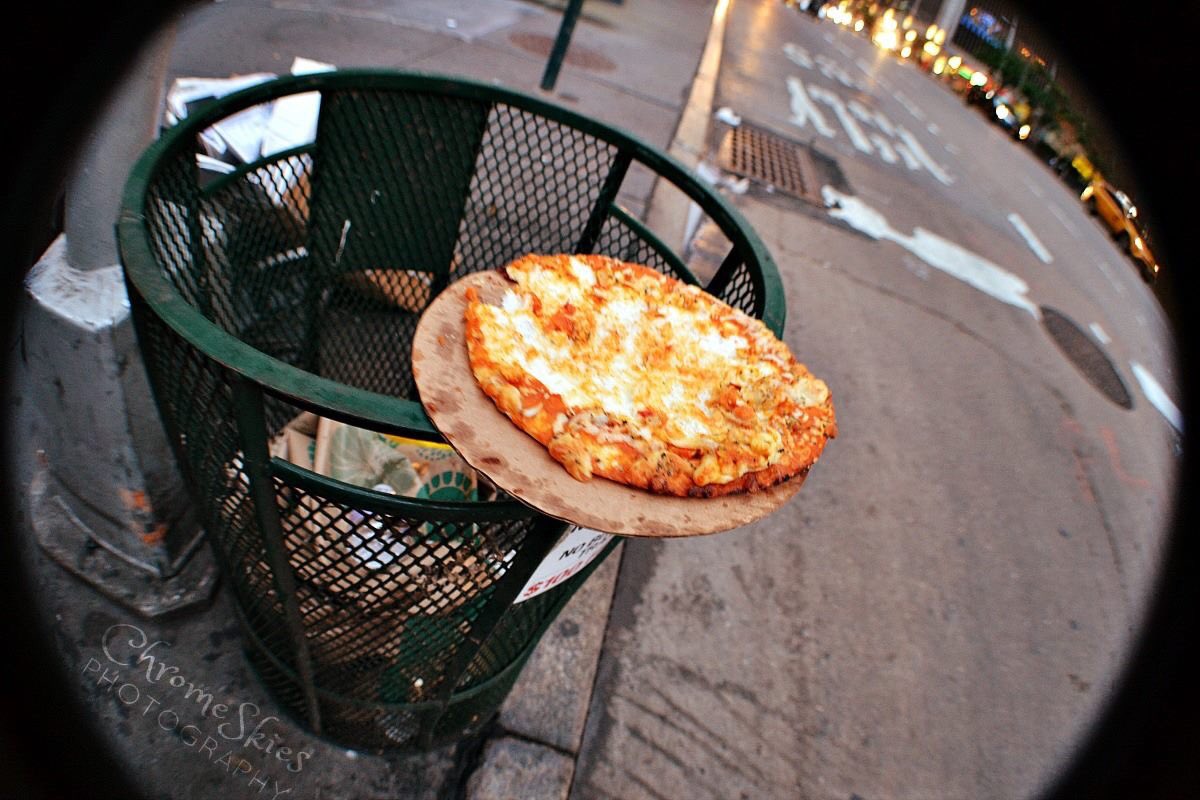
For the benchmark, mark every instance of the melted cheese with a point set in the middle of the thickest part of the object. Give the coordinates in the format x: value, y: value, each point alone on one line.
x: 584, y: 274
x: 720, y: 346
x: 533, y: 350
x: 650, y: 346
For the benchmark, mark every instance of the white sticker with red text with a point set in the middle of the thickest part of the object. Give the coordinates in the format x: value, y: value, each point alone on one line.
x: 574, y: 551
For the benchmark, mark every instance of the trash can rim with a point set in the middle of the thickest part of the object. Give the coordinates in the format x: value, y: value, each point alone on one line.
x: 382, y: 412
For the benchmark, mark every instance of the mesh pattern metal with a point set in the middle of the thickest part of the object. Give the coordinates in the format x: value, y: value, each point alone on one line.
x: 389, y: 596
x: 378, y: 628
x: 620, y: 241
x: 387, y: 199
x: 197, y: 407
x: 172, y: 224
x: 280, y: 681
x: 376, y: 728
x: 468, y: 718
x: 253, y: 244
x: 743, y: 292
x: 510, y: 638
x: 534, y: 186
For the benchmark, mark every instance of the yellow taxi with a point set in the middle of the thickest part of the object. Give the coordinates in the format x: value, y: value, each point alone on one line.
x: 1119, y: 215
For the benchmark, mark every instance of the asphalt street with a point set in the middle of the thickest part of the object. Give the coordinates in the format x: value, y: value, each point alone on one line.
x: 943, y: 608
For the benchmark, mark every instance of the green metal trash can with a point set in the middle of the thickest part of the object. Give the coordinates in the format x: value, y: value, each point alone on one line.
x: 294, y: 284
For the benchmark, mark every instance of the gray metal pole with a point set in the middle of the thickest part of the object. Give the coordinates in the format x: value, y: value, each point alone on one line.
x: 106, y: 501
x: 561, y: 43
x: 126, y: 126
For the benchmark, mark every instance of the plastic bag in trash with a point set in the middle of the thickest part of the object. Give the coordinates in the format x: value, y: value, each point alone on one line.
x: 408, y: 467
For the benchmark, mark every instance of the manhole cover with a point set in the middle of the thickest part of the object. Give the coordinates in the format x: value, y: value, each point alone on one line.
x: 1087, y: 356
x: 790, y: 167
x: 577, y: 55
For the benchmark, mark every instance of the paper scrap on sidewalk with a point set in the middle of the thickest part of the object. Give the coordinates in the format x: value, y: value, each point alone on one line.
x: 293, y: 119
x: 713, y: 176
x: 188, y: 91
x: 728, y: 116
x: 214, y: 164
x: 258, y: 131
x: 235, y: 138
x: 243, y: 132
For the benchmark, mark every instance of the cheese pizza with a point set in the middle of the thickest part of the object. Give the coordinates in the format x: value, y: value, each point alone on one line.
x: 625, y: 373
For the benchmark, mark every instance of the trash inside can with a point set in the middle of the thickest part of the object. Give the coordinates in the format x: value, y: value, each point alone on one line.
x: 381, y: 585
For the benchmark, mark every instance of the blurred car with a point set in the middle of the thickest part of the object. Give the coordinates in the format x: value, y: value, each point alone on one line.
x: 1120, y: 216
x: 811, y: 7
x: 1013, y: 114
x: 976, y: 95
x: 1004, y: 107
x: 928, y: 47
x: 912, y: 40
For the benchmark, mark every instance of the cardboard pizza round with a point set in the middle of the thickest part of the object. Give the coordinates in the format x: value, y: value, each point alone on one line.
x: 520, y: 465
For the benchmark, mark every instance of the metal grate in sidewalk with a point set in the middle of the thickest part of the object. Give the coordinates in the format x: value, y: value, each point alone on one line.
x: 766, y: 158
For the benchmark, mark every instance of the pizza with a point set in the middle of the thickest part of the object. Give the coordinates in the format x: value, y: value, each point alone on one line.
x: 627, y: 374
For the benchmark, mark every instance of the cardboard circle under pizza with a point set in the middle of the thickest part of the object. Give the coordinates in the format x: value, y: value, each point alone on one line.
x: 520, y: 465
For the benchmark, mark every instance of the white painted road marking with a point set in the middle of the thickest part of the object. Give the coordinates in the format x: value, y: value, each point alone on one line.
x: 1100, y: 334
x: 841, y: 48
x: 943, y: 254
x: 804, y: 111
x: 1109, y: 275
x: 1157, y: 396
x: 798, y: 55
x: 934, y: 168
x: 1027, y: 234
x: 885, y: 148
x: 976, y: 271
x: 910, y: 160
x: 860, y: 111
x: 856, y: 119
x: 885, y: 124
x: 857, y: 137
x: 834, y: 72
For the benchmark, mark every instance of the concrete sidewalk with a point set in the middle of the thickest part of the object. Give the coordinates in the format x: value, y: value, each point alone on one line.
x: 637, y: 66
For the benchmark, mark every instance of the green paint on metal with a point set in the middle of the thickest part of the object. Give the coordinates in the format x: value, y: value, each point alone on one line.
x: 294, y: 284
x: 561, y: 42
x: 604, y: 202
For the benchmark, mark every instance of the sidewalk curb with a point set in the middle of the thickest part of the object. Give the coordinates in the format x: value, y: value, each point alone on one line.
x: 546, y: 712
x: 668, y: 209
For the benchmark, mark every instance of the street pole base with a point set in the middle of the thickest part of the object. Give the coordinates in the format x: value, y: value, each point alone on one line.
x: 68, y: 541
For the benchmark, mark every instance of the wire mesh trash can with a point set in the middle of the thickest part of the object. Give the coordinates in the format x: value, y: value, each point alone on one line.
x: 292, y: 285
